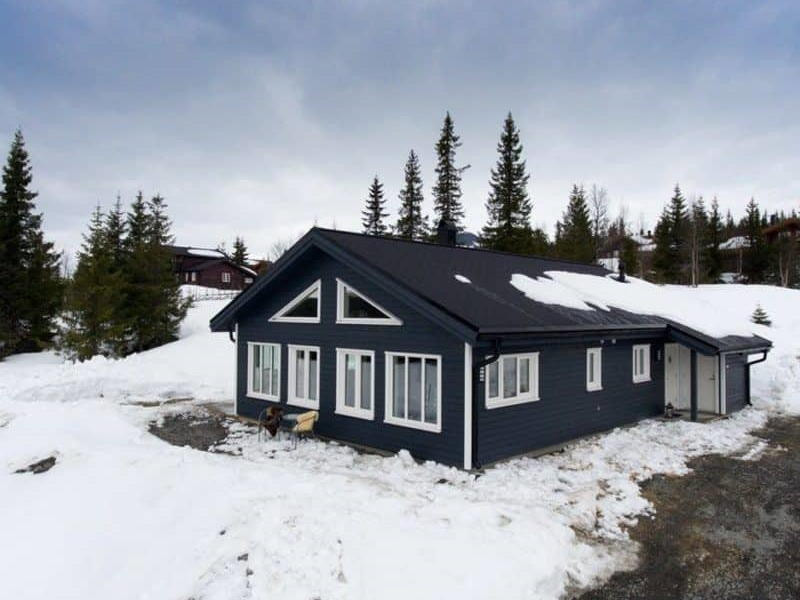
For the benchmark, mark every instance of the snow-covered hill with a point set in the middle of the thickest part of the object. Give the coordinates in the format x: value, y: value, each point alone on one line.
x: 123, y: 514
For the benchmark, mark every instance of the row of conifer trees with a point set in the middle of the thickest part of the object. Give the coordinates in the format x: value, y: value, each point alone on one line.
x: 687, y: 238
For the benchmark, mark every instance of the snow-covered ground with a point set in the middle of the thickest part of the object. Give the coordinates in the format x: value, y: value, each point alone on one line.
x: 123, y: 514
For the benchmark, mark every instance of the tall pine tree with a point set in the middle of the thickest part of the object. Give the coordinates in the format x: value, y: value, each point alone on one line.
x: 31, y: 289
x: 575, y: 237
x: 92, y: 300
x: 715, y: 232
x: 670, y: 255
x: 411, y: 225
x: 447, y: 191
x: 698, y: 237
x: 374, y: 214
x: 240, y: 253
x: 756, y: 257
x: 509, y: 207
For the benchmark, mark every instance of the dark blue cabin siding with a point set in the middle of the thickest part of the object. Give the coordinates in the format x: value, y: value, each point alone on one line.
x: 565, y: 409
x: 416, y: 335
x: 735, y: 382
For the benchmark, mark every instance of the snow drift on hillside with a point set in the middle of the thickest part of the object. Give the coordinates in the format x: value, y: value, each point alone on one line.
x: 124, y: 515
x: 678, y: 303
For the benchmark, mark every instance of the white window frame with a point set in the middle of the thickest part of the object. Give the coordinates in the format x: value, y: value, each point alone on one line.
x: 341, y: 286
x: 597, y: 384
x: 280, y: 316
x: 291, y: 396
x: 533, y: 385
x: 226, y: 277
x: 641, y: 375
x: 251, y: 393
x: 341, y: 366
x: 389, y: 392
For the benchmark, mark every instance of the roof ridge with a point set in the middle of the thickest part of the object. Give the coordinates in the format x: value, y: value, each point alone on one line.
x: 487, y: 250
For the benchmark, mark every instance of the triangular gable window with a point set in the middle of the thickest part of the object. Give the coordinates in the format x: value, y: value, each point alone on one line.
x: 354, y: 308
x: 305, y: 308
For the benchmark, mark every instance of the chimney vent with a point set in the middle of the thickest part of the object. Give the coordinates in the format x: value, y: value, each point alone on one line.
x: 446, y: 233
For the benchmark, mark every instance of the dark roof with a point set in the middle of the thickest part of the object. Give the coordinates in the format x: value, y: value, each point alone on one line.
x: 489, y: 305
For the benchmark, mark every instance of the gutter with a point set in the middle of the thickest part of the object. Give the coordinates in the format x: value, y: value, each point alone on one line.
x: 476, y: 367
x: 747, y: 373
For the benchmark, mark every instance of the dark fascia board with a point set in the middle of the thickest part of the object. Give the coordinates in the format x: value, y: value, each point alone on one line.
x: 686, y: 338
x: 223, y: 320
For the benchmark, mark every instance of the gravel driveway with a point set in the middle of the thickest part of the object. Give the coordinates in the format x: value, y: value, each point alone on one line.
x: 730, y: 529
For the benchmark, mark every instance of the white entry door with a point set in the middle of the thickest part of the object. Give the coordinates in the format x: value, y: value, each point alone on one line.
x: 677, y: 376
x: 707, y: 383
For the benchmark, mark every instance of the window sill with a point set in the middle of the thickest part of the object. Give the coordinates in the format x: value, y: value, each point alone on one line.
x: 366, y: 415
x: 598, y: 388
x: 259, y: 396
x: 421, y: 425
x: 642, y: 380
x: 315, y: 320
x: 502, y: 403
x: 303, y: 403
x: 343, y: 321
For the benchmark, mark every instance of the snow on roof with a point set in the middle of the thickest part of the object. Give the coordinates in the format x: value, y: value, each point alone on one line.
x: 673, y: 302
x: 206, y: 252
x: 462, y: 279
x: 735, y: 243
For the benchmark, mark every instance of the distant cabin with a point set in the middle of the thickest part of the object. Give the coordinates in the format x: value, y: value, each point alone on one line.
x: 430, y: 348
x: 209, y: 268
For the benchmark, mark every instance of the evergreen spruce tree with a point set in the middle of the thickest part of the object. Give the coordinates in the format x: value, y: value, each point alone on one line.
x: 669, y: 257
x: 411, y: 225
x: 629, y: 254
x: 92, y: 296
x: 698, y: 237
x: 576, y: 239
x: 30, y: 286
x: 715, y: 233
x: 154, y: 306
x: 374, y: 213
x: 509, y: 207
x: 240, y: 254
x: 756, y: 258
x: 760, y: 316
x: 447, y: 191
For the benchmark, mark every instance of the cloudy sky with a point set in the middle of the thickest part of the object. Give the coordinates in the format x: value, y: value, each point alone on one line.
x: 263, y: 118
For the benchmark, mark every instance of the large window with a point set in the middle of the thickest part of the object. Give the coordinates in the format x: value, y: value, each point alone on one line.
x: 264, y: 371
x: 641, y: 363
x: 512, y: 379
x: 354, y: 308
x: 303, y: 308
x: 304, y: 376
x: 594, y: 369
x: 414, y: 390
x: 355, y: 383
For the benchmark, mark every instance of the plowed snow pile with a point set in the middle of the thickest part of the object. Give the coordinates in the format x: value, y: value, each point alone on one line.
x: 123, y: 514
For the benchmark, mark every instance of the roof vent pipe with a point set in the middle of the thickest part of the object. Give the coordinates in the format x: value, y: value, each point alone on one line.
x: 446, y: 233
x: 621, y: 268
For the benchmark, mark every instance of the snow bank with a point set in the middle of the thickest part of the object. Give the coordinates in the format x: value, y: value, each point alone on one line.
x: 125, y: 515
x: 678, y: 303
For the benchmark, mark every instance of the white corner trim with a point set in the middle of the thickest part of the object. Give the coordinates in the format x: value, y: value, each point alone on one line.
x: 342, y: 320
x: 236, y: 370
x: 279, y: 317
x: 468, y: 400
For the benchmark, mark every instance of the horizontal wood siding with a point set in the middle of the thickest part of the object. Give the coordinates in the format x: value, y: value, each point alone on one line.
x: 416, y: 335
x: 565, y: 409
x: 735, y: 382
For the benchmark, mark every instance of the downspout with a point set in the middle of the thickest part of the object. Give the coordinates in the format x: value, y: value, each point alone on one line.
x: 747, y: 373
x: 230, y: 333
x: 476, y: 368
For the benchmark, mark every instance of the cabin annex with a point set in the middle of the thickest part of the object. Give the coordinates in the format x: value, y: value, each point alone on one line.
x: 209, y: 268
x: 428, y: 347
